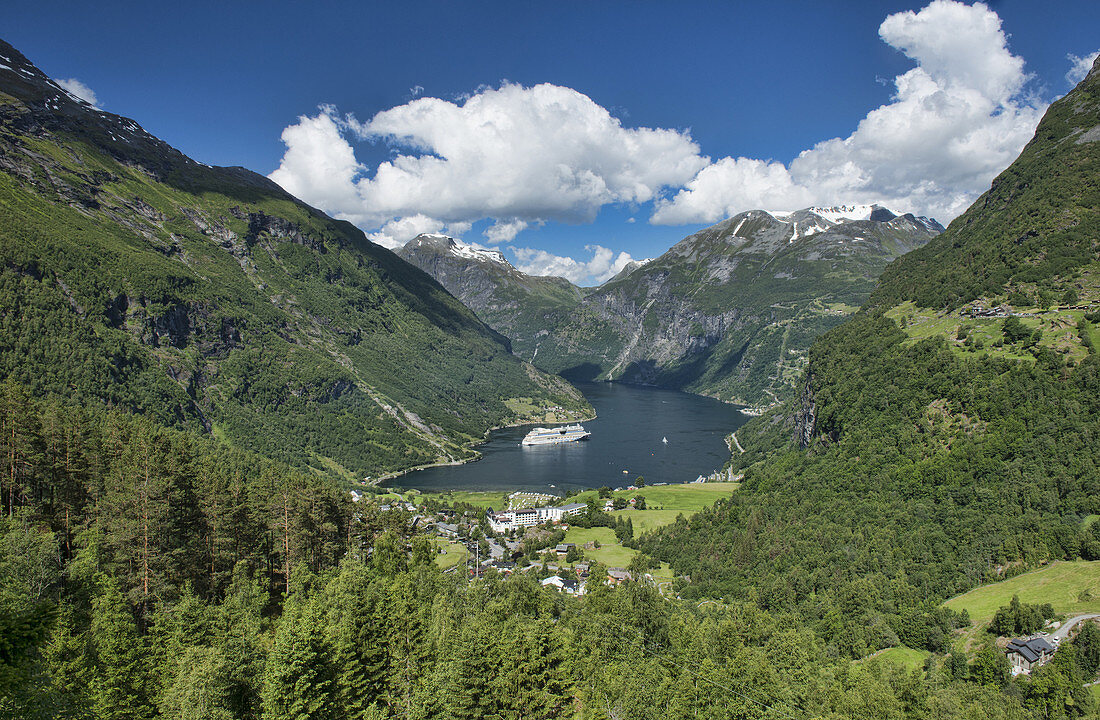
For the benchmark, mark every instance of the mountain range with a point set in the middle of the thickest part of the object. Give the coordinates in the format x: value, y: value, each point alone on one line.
x: 518, y: 305
x: 728, y: 312
x: 211, y: 299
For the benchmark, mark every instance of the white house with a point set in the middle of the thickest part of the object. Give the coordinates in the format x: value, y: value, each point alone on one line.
x: 568, y: 585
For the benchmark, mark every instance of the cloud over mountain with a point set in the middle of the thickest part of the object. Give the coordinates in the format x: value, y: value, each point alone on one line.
x: 522, y: 156
x: 954, y: 121
x: 1080, y: 66
x: 513, y: 153
x: 603, y: 266
x: 78, y: 89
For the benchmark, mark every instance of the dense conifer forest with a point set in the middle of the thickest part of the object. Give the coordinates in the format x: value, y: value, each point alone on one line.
x: 147, y: 572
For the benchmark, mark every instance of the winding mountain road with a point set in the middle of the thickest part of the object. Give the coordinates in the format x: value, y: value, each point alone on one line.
x: 1061, y: 633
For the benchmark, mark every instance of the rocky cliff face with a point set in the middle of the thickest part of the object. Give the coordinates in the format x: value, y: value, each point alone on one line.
x: 805, y: 417
x: 731, y: 310
x: 515, y: 304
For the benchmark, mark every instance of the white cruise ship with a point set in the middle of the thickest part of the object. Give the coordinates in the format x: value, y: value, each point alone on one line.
x: 548, y: 436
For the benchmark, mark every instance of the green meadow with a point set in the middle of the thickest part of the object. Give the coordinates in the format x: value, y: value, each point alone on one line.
x: 1071, y: 587
x: 904, y: 657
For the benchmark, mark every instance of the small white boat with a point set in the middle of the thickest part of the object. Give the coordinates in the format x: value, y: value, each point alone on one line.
x: 664, y: 440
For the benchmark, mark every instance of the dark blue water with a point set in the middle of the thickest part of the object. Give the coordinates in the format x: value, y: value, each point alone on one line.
x: 626, y: 436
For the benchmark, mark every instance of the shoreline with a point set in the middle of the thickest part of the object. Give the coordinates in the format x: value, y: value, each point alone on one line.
x: 380, y: 481
x: 383, y: 480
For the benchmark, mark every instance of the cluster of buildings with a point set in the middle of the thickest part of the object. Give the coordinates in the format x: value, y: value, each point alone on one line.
x: 514, y: 519
x: 578, y: 585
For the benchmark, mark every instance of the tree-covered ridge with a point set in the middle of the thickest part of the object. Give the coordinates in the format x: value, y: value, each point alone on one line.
x: 209, y: 298
x: 926, y: 471
x: 1036, y: 226
x: 916, y: 464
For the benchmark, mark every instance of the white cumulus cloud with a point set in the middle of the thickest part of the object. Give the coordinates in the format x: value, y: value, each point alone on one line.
x: 955, y: 120
x: 603, y: 265
x: 518, y: 155
x: 80, y: 90
x: 319, y: 166
x: 504, y: 231
x: 1080, y: 66
x: 396, y: 233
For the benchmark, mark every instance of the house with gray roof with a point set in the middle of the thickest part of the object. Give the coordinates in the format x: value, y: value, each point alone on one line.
x: 1026, y: 654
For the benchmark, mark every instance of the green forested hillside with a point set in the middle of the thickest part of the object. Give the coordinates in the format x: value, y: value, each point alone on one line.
x: 917, y: 461
x: 208, y: 298
x: 149, y: 573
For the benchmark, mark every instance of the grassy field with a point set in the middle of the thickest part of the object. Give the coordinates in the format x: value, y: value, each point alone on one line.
x: 610, y: 553
x: 683, y: 497
x: 1061, y: 584
x: 667, y: 501
x: 453, y: 553
x: 496, y: 500
x: 646, y: 520
x: 672, y: 499
x: 1059, y: 331
x: 904, y: 657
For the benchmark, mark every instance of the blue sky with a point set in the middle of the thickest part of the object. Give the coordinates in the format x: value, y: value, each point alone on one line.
x: 576, y: 135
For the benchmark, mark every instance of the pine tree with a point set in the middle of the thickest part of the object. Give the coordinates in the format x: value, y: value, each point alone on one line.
x: 199, y: 687
x: 471, y: 692
x: 135, y: 511
x: 20, y: 445
x: 360, y: 638
x: 119, y: 686
x: 69, y: 665
x: 408, y: 615
x: 300, y: 677
x: 547, y: 686
x: 243, y: 631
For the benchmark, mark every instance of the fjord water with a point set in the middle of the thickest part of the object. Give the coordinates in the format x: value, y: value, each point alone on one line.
x: 626, y: 435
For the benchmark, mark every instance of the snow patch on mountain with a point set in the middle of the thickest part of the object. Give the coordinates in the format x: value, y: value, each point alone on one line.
x: 461, y: 249
x: 843, y: 213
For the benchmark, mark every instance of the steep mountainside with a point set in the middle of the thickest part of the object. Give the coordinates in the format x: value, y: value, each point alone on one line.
x: 511, y: 302
x: 731, y: 310
x: 945, y: 435
x: 210, y: 298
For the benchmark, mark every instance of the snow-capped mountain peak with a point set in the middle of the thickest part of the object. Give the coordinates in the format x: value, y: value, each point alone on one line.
x: 843, y: 213
x: 459, y: 248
